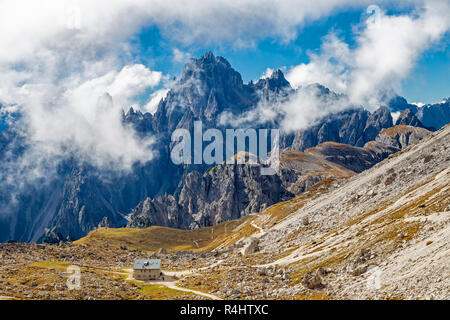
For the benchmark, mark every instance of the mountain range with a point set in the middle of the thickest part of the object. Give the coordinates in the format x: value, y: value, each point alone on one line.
x: 80, y: 197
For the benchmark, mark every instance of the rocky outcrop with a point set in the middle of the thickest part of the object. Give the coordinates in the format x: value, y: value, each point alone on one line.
x: 431, y: 116
x: 354, y: 127
x: 106, y: 223
x: 353, y: 158
x: 312, y: 280
x: 399, y: 137
x: 228, y: 192
x: 407, y: 117
x: 378, y: 120
x: 274, y: 87
x: 223, y: 193
x: 252, y: 247
x: 435, y: 116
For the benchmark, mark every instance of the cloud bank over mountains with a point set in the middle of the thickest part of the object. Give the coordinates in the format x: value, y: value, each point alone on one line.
x: 70, y: 67
x: 387, y: 48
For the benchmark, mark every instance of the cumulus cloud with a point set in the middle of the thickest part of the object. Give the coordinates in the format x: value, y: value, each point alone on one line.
x: 93, y: 25
x: 124, y: 85
x: 365, y: 74
x: 295, y: 111
x: 330, y: 67
x: 60, y: 66
x: 154, y: 101
x: 89, y: 118
x: 267, y: 74
x: 83, y: 117
x: 387, y: 48
x: 180, y: 56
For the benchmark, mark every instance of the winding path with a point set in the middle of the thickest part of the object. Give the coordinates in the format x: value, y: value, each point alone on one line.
x: 258, y: 227
x: 191, y: 271
x: 254, y: 236
x: 173, y: 284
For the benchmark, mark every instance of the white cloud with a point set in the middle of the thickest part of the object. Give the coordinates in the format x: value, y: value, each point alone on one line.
x: 123, y: 86
x: 180, y: 56
x: 395, y: 116
x: 154, y: 101
x: 385, y: 53
x: 36, y: 26
x: 418, y: 104
x: 295, y: 112
x: 329, y: 68
x: 267, y: 74
x: 85, y: 120
x: 307, y: 106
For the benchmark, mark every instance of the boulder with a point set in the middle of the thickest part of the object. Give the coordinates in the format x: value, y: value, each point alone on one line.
x: 162, y: 251
x: 252, y: 247
x: 312, y: 281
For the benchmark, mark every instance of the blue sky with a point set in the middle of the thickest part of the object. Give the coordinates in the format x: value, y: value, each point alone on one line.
x: 2, y: 125
x: 428, y: 81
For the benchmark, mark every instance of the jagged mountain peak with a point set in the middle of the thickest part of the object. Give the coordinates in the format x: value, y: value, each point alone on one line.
x: 132, y: 112
x: 208, y: 86
x: 320, y: 91
x: 277, y: 74
x: 207, y: 67
x: 276, y: 81
x: 398, y: 103
x: 137, y: 118
x: 210, y: 58
x: 383, y: 115
x: 407, y: 117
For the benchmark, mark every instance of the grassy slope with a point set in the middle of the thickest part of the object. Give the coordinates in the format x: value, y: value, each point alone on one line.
x: 203, y: 239
x: 154, y: 238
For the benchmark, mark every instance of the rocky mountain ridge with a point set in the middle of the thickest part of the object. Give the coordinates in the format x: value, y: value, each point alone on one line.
x: 227, y: 192
x: 76, y: 197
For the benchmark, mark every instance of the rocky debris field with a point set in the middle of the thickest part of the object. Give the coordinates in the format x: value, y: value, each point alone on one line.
x: 39, y: 271
x: 382, y: 234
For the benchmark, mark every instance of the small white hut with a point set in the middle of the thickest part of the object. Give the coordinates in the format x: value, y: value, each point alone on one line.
x: 147, y: 269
